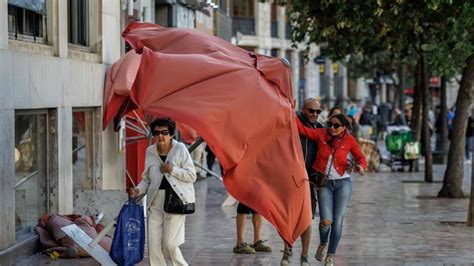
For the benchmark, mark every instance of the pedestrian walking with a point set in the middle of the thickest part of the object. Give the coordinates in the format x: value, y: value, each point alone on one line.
x: 368, y: 122
x: 308, y: 116
x: 168, y: 169
x: 323, y: 116
x: 469, y: 139
x: 241, y: 246
x: 210, y: 160
x: 399, y: 119
x: 335, y: 184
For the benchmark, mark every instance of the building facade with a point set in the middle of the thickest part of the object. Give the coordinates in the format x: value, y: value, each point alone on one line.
x: 54, y: 55
x: 55, y: 157
x: 263, y: 27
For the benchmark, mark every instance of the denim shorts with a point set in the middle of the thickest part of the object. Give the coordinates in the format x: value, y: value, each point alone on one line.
x: 244, y: 209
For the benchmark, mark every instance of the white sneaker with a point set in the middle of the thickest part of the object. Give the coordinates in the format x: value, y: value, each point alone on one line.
x: 467, y: 162
x: 329, y: 261
x: 320, y: 252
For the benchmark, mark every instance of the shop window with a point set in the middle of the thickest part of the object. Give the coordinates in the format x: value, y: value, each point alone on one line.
x: 82, y: 149
x: 78, y: 22
x: 31, y: 179
x: 26, y: 22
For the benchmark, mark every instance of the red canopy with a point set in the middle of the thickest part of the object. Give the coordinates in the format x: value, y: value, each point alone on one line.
x: 238, y: 101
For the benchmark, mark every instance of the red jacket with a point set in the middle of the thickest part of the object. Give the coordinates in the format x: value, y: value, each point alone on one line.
x: 343, y: 145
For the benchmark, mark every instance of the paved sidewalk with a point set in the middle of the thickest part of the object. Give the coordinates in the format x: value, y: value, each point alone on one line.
x: 392, y: 219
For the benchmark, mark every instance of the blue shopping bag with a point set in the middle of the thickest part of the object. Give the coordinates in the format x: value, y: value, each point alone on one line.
x: 128, y: 244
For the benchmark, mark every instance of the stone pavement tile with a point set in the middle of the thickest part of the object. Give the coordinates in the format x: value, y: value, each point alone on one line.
x: 457, y: 261
x: 383, y: 261
x: 347, y: 260
x: 426, y: 262
x: 41, y: 259
x: 387, y: 223
x: 415, y: 248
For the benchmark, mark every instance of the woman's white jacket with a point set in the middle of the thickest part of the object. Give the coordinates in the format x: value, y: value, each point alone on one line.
x: 181, y: 177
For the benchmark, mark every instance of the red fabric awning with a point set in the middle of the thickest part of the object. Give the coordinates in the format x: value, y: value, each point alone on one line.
x: 238, y: 101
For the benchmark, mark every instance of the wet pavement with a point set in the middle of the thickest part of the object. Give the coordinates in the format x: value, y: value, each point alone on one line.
x: 392, y: 219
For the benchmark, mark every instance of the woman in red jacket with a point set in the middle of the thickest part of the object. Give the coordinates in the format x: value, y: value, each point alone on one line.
x: 335, y: 143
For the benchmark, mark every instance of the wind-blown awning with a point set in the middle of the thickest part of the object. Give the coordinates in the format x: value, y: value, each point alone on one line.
x: 239, y: 102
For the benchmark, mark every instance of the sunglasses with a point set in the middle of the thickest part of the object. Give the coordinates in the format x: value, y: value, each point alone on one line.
x: 312, y: 111
x: 160, y: 132
x: 334, y: 125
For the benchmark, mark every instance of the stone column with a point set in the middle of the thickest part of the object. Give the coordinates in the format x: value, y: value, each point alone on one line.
x: 330, y: 75
x: 65, y: 178
x: 111, y: 31
x: 7, y: 174
x: 295, y: 73
x: 312, y: 76
x: 281, y: 18
x: 3, y: 24
x: 57, y: 26
x: 342, y: 73
x: 7, y: 137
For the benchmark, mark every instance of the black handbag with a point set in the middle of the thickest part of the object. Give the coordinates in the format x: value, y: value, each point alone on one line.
x: 321, y: 179
x: 173, y: 204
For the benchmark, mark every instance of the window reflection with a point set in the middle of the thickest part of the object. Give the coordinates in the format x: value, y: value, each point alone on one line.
x: 82, y: 150
x: 31, y: 182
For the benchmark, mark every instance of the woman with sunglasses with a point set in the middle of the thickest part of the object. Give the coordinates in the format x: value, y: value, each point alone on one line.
x: 334, y: 145
x: 168, y: 165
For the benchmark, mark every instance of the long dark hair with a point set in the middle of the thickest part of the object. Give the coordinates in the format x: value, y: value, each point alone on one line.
x: 343, y: 119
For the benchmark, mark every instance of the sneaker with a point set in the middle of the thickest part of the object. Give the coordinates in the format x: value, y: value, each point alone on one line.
x: 286, y: 259
x: 244, y: 248
x: 329, y: 261
x: 467, y: 161
x: 304, y: 260
x: 261, y: 247
x: 320, y: 252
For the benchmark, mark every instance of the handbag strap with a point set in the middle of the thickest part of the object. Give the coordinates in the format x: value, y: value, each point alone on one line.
x: 332, y: 160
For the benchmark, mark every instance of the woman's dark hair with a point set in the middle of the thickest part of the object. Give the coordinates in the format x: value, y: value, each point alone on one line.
x: 161, y: 122
x: 343, y: 119
x: 331, y: 112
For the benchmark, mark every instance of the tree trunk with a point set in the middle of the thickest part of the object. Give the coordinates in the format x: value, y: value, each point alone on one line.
x: 416, y: 111
x: 452, y: 182
x: 417, y: 102
x: 425, y: 124
x: 401, y: 87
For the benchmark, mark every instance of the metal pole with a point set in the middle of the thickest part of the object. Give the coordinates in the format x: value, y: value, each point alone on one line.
x: 193, y: 146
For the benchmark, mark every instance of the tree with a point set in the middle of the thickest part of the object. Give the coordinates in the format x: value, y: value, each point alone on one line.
x: 452, y: 183
x: 435, y: 33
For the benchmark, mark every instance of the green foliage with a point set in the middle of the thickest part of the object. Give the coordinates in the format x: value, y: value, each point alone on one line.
x: 442, y: 29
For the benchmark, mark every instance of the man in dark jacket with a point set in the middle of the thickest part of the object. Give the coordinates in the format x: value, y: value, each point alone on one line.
x: 308, y: 116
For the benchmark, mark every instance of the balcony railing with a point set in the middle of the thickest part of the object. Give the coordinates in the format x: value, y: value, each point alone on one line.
x: 243, y: 25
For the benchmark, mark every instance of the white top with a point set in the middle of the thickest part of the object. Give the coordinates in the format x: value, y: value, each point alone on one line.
x: 181, y: 178
x: 334, y: 174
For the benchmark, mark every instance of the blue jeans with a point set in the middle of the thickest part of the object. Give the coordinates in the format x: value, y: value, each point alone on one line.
x: 333, y: 199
